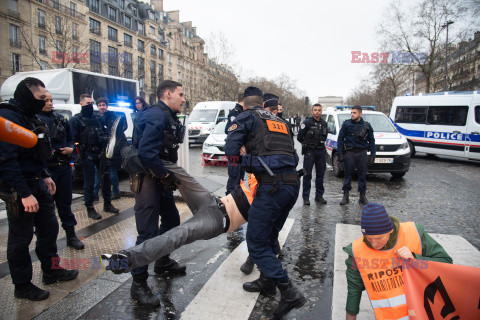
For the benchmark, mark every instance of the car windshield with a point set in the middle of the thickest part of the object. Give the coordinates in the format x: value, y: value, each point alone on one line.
x: 220, y: 128
x: 379, y: 122
x: 204, y: 115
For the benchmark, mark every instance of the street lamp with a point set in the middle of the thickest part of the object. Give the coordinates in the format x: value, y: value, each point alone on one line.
x: 446, y: 53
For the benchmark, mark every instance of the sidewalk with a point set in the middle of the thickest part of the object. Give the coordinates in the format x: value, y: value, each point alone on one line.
x: 112, y: 233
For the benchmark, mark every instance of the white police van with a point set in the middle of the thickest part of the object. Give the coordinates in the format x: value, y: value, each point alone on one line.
x: 443, y: 123
x: 392, y: 150
x: 204, y: 116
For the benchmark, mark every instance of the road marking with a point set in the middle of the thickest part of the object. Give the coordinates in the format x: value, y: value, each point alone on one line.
x: 461, y: 251
x: 223, y: 297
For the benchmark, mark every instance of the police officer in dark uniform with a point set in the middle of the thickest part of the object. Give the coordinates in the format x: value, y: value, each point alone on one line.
x: 27, y: 182
x: 92, y: 138
x: 59, y: 167
x: 271, y: 156
x: 354, y: 139
x: 158, y: 135
x: 312, y: 136
x: 235, y: 171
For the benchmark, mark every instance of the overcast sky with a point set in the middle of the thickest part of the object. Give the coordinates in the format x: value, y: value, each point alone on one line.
x: 309, y: 40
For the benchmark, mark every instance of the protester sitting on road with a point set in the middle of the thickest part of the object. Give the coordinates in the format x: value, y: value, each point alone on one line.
x: 375, y: 261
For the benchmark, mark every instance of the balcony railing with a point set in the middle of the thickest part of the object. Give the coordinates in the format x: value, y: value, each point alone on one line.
x: 42, y: 25
x: 15, y: 43
x: 128, y: 44
x: 42, y: 51
x: 95, y: 31
x: 60, y: 7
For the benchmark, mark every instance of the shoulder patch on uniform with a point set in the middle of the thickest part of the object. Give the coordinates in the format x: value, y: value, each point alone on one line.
x: 232, y: 127
x: 302, y: 126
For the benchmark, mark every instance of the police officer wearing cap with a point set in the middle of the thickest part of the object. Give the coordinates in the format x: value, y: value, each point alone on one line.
x: 29, y: 187
x: 354, y: 139
x: 59, y: 167
x: 271, y: 156
x: 157, y: 138
x: 312, y: 136
x: 92, y: 137
x: 235, y: 171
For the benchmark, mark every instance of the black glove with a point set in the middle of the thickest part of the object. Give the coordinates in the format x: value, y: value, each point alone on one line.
x: 341, y: 157
x: 371, y: 159
x: 170, y: 181
x: 301, y: 173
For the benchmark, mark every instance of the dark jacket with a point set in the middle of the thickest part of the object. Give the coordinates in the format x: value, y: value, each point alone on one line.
x: 232, y: 115
x: 306, y: 125
x: 347, y: 137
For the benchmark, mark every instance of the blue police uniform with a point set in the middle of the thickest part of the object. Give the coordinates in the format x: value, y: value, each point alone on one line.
x: 312, y: 135
x: 235, y: 171
x: 154, y: 200
x: 59, y: 166
x: 22, y: 172
x: 354, y: 139
x: 272, y: 202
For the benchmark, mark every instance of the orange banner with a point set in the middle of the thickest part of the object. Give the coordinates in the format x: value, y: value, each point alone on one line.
x: 13, y: 133
x: 436, y: 290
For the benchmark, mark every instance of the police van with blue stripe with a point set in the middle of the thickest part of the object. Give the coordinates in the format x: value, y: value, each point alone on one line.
x: 392, y: 150
x: 443, y: 123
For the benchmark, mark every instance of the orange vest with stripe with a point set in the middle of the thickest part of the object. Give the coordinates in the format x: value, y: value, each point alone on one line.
x: 381, y: 272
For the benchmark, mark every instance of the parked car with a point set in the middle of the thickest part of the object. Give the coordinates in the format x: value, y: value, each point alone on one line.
x: 213, y: 152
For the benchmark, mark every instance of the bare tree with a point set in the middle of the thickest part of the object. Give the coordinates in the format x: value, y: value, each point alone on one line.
x: 362, y: 95
x: 419, y: 31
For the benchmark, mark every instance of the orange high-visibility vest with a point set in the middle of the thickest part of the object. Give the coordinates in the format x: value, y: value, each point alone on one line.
x: 252, y: 187
x: 381, y: 272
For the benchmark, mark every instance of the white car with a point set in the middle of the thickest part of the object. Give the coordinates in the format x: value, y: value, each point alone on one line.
x: 213, y: 152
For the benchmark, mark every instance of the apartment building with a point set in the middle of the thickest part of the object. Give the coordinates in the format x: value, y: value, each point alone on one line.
x: 124, y: 38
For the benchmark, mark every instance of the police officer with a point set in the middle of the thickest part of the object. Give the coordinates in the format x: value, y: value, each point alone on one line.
x: 354, y: 139
x: 30, y: 188
x: 59, y: 167
x: 280, y: 111
x: 159, y: 133
x: 107, y: 119
x: 268, y: 144
x: 235, y: 171
x: 89, y: 133
x: 312, y: 136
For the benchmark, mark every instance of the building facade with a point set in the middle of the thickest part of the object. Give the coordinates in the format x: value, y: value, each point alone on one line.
x: 124, y: 38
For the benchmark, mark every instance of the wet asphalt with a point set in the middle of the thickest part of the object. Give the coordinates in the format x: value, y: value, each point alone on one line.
x: 443, y: 194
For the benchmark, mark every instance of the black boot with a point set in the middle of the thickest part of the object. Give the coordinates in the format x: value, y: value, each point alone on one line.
x: 320, y: 200
x: 93, y: 214
x: 57, y: 275
x: 306, y: 202
x: 247, y: 266
x: 363, y: 199
x: 118, y: 263
x: 30, y: 291
x: 142, y: 293
x: 263, y: 285
x: 291, y: 298
x: 170, y: 266
x: 345, y: 199
x: 72, y: 240
x: 108, y: 207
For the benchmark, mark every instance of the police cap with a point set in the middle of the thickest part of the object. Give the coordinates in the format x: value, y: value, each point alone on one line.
x: 270, y: 100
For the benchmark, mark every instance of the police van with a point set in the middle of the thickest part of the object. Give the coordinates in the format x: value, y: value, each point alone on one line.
x: 392, y: 150
x: 203, y: 118
x: 443, y: 123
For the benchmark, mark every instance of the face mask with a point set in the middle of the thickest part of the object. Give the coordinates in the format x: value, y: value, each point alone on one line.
x: 87, y: 110
x: 37, y: 105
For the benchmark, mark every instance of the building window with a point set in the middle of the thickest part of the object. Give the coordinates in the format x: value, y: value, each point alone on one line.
x: 153, y: 50
x: 160, y: 72
x: 160, y: 53
x: 14, y: 36
x: 153, y: 76
x: 128, y: 73
x: 121, y: 3
x: 41, y: 19
x: 73, y: 9
x: 42, y: 45
x: 128, y: 22
x: 127, y: 40
x: 134, y: 10
x: 74, y: 31
x: 127, y: 65
x: 141, y: 46
x: 75, y: 57
x: 15, y: 63
x: 94, y: 6
x: 112, y: 34
x: 112, y: 55
x: 94, y: 26
x: 112, y: 14
x: 141, y: 28
x: 95, y: 56
x: 43, y: 65
x: 59, y: 49
x: 13, y: 9
x: 152, y: 30
x: 58, y: 25
x: 141, y: 65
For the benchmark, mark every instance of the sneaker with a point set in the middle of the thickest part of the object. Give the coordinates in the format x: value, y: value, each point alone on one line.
x: 30, y: 292
x: 57, y: 275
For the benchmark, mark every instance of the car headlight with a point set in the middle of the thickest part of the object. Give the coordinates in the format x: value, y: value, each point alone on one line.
x: 405, y: 145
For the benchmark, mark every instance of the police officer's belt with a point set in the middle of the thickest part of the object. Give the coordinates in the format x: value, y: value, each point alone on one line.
x: 288, y: 178
x: 222, y: 208
x: 355, y: 149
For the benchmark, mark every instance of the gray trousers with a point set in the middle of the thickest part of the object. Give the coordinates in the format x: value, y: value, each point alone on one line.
x: 206, y: 223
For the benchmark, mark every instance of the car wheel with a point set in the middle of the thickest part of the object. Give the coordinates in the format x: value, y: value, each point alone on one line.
x: 398, y: 175
x: 337, y: 166
x: 412, y: 148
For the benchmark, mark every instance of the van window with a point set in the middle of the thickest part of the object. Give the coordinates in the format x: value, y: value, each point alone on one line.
x: 447, y: 115
x: 411, y: 114
x: 477, y: 114
x: 205, y: 115
x: 331, y: 125
x: 222, y: 113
